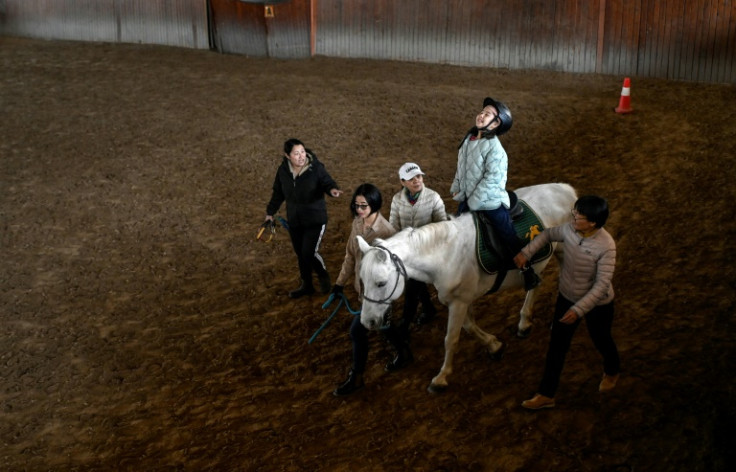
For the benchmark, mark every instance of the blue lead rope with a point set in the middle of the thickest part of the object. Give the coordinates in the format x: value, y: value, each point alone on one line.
x: 343, y: 300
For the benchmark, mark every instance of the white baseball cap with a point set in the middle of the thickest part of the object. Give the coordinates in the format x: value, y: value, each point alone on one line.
x: 409, y: 170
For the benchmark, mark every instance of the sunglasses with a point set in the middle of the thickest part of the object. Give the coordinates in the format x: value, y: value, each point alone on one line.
x: 362, y: 206
x: 577, y: 216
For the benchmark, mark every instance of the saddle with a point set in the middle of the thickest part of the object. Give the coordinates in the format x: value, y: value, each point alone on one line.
x: 491, y: 253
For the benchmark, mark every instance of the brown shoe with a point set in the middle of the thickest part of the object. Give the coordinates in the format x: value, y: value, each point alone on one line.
x: 537, y: 402
x: 608, y: 383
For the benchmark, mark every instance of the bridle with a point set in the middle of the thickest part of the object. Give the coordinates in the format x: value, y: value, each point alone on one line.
x: 399, y: 265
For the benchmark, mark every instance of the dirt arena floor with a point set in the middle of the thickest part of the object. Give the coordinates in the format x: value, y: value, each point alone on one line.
x: 142, y: 326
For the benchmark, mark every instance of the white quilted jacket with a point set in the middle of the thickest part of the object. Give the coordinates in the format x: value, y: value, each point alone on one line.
x: 429, y: 208
x: 480, y: 178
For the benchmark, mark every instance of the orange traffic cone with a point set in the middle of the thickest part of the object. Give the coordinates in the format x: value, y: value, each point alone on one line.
x: 624, y: 104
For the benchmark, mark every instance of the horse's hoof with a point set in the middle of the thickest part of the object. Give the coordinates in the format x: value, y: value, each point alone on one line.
x: 498, y: 355
x: 436, y: 388
x: 523, y: 333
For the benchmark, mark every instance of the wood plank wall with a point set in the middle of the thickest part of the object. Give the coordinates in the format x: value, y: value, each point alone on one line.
x: 241, y: 27
x: 692, y: 40
x: 182, y: 23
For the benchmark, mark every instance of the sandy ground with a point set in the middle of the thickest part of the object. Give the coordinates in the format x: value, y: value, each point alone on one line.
x: 142, y: 326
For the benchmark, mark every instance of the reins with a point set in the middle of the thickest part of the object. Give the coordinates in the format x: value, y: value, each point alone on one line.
x: 399, y: 265
x: 267, y: 230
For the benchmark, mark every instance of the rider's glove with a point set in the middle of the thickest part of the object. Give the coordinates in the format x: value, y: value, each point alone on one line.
x: 337, y: 289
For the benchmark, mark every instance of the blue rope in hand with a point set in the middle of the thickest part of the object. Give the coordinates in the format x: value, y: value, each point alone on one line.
x: 347, y: 305
x: 330, y: 299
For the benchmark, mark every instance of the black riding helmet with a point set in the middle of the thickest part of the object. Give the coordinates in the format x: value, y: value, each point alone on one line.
x: 504, y: 115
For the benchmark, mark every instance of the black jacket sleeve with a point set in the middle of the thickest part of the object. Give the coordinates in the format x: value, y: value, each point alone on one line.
x: 326, y: 181
x: 277, y: 194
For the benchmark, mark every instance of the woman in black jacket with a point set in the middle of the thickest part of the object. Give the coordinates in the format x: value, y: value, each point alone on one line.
x: 302, y: 181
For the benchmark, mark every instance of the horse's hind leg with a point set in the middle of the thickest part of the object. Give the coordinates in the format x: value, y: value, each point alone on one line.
x: 455, y: 320
x: 493, y: 344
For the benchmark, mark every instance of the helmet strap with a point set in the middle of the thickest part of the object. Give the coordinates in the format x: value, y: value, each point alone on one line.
x: 485, y: 128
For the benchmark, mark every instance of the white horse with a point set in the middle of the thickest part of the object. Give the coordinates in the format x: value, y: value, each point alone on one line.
x: 444, y: 254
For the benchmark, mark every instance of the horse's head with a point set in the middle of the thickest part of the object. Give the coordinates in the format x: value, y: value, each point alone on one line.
x: 383, y: 275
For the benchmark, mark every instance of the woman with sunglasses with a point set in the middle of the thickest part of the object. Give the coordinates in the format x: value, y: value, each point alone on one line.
x: 370, y: 224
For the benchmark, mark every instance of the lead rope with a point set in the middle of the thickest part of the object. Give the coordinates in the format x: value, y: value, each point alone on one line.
x: 330, y: 299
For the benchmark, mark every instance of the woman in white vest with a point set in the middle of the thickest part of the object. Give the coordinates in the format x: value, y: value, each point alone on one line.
x: 413, y: 206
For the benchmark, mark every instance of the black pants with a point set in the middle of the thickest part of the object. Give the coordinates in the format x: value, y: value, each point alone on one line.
x: 504, y: 228
x: 397, y: 335
x: 306, y: 241
x: 599, y: 321
x: 415, y: 293
x: 359, y: 336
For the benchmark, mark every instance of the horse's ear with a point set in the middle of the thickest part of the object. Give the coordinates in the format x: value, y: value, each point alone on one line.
x: 364, y: 246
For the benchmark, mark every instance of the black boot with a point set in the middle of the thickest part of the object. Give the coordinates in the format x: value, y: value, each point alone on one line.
x: 531, y: 279
x: 304, y: 289
x: 398, y: 336
x: 427, y: 315
x: 353, y: 383
x: 403, y: 358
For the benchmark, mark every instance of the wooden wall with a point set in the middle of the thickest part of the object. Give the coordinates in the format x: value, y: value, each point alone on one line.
x: 181, y: 23
x: 693, y: 40
x: 242, y: 27
x: 553, y: 34
x: 675, y: 39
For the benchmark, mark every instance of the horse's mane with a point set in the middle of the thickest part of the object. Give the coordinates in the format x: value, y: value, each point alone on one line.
x: 430, y: 234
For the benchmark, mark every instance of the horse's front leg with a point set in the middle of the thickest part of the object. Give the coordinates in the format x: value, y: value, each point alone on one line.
x: 455, y: 321
x: 525, y: 315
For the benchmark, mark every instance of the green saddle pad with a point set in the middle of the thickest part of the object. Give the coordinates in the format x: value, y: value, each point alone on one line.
x: 527, y: 226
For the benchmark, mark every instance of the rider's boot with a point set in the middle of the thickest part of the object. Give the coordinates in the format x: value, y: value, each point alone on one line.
x: 305, y: 288
x: 531, y: 279
x: 353, y: 383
